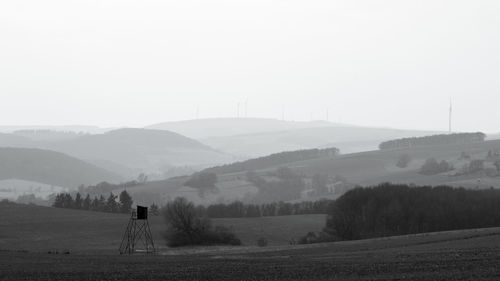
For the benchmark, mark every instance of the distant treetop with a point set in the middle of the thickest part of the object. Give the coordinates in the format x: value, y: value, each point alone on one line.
x: 433, y: 140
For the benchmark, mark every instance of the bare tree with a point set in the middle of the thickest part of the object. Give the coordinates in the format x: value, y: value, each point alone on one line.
x: 185, y: 228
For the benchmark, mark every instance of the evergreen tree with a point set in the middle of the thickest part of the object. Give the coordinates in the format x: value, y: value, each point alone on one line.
x: 94, y: 206
x: 67, y: 200
x: 101, y: 204
x: 154, y: 210
x: 86, y: 203
x: 125, y: 202
x: 77, y: 204
x: 111, y: 204
x: 58, y: 201
x: 253, y: 211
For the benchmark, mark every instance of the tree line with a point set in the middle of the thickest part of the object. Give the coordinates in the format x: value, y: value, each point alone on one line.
x: 112, y: 204
x: 274, y: 159
x: 433, y: 140
x: 106, y: 187
x: 397, y: 209
x: 239, y: 209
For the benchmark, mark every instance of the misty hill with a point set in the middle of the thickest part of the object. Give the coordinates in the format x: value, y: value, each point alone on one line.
x: 15, y: 140
x: 47, y: 135
x: 221, y: 127
x: 347, y: 138
x: 127, y: 152
x: 276, y: 159
x: 68, y: 128
x: 50, y: 167
x: 495, y: 136
x: 341, y: 173
x: 141, y: 150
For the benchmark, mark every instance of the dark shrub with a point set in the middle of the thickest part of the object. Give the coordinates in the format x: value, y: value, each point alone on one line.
x: 184, y: 227
x: 262, y: 242
x: 433, y: 167
x: 316, y: 237
x: 403, y: 160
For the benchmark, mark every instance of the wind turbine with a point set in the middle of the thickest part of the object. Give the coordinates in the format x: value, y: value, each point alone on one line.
x: 246, y: 107
x: 449, y: 117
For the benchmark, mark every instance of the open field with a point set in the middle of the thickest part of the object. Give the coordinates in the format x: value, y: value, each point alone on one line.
x: 457, y: 255
x: 40, y: 229
x: 27, y: 233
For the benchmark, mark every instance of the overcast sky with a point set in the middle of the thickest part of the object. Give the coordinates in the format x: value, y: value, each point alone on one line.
x: 133, y: 63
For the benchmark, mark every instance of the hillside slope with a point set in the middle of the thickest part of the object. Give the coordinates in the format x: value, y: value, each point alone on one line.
x: 50, y: 167
x: 142, y: 149
x: 348, y: 170
x: 348, y: 139
x: 129, y: 152
x: 221, y: 127
x: 11, y: 140
x: 254, y: 137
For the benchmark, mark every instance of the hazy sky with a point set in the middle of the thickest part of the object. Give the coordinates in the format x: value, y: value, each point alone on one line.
x: 377, y: 63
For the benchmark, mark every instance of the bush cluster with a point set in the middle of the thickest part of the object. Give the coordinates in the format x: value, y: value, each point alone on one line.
x: 184, y: 227
x: 433, y: 167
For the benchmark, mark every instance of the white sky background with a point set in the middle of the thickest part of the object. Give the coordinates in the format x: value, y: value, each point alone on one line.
x: 134, y: 63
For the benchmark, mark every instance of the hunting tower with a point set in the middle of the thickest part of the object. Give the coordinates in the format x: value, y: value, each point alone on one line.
x: 138, y: 233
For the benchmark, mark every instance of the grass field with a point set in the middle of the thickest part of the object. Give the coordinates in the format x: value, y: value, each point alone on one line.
x: 459, y: 255
x: 27, y: 233
x: 34, y: 228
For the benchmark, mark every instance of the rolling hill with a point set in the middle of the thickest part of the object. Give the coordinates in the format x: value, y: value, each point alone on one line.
x: 347, y: 139
x: 223, y: 127
x: 11, y: 140
x: 50, y: 168
x: 129, y: 152
x: 255, y: 137
x: 364, y: 168
x: 68, y: 128
x: 142, y: 150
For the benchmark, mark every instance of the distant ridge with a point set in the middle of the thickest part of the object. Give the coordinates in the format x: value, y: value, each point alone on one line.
x: 63, y: 128
x: 50, y: 167
x: 142, y: 149
x: 348, y: 139
x: 216, y: 127
x: 128, y: 151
